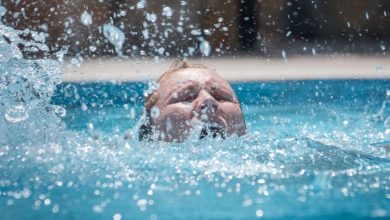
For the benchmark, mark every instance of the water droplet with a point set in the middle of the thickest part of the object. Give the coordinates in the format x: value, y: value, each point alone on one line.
x: 367, y: 16
x: 145, y: 33
x: 385, y: 13
x: 86, y: 18
x: 115, y: 36
x: 16, y: 114
x: 205, y: 48
x: 161, y: 50
x: 92, y: 48
x: 167, y: 11
x: 379, y: 68
x: 3, y: 11
x: 58, y: 110
x: 196, y: 32
x: 383, y: 47
x: 151, y: 17
x: 117, y: 216
x: 348, y: 24
x: 259, y: 213
x: 155, y: 112
x: 288, y: 33
x: 284, y: 55
x: 141, y: 4
x: 313, y: 51
x: 55, y: 209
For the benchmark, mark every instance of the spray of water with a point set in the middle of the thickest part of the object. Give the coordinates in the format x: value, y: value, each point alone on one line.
x: 42, y: 161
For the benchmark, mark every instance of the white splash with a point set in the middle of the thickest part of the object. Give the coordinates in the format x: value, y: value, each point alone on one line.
x: 205, y: 48
x: 167, y: 11
x: 86, y: 18
x: 115, y: 36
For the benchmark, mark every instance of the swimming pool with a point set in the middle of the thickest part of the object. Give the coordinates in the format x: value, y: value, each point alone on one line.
x: 315, y: 149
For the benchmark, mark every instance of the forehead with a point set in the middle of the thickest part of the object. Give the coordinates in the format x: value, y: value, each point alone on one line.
x: 201, y: 76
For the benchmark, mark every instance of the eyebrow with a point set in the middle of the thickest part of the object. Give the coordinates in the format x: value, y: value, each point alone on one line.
x: 213, y: 90
x: 189, y: 85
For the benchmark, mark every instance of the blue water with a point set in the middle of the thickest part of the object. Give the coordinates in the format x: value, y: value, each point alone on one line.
x: 315, y: 150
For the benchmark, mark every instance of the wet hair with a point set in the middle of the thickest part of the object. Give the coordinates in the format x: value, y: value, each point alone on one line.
x: 146, y: 129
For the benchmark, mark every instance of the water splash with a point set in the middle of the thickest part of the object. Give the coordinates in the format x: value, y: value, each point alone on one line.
x: 86, y: 18
x: 205, y: 48
x: 167, y: 11
x: 26, y: 87
x: 115, y: 36
x: 141, y: 4
x: 49, y: 167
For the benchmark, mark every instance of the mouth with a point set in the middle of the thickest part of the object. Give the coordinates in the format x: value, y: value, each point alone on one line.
x: 212, y: 130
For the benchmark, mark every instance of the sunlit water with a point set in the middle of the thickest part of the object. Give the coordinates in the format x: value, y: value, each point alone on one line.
x: 314, y: 149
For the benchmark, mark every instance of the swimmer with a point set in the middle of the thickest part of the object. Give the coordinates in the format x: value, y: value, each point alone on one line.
x: 189, y: 95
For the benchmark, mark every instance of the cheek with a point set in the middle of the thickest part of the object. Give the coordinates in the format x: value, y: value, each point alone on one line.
x: 231, y: 112
x: 175, y: 117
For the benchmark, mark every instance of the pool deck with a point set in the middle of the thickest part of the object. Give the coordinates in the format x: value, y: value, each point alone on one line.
x: 238, y: 69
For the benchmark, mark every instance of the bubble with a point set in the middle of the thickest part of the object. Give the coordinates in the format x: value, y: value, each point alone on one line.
x: 205, y: 48
x: 117, y: 216
x: 58, y: 110
x: 86, y: 18
x: 16, y: 114
x: 259, y: 213
x: 167, y: 11
x: 84, y: 107
x: 55, y: 209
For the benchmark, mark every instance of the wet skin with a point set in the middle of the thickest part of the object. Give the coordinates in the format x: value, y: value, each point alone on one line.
x: 194, y: 95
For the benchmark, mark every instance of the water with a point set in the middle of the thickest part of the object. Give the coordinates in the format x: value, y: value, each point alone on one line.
x: 115, y: 36
x: 314, y: 149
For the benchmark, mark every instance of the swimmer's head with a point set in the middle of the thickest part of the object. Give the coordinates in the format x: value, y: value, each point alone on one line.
x: 189, y: 95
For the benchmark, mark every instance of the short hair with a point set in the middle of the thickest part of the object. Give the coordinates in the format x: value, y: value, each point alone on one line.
x: 146, y: 128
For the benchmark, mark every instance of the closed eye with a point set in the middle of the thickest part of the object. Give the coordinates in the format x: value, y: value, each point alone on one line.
x: 223, y: 96
x: 183, y: 96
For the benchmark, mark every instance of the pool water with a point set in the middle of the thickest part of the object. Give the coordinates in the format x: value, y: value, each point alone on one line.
x: 314, y: 150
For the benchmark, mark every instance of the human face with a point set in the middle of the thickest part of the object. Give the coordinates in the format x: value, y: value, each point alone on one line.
x: 197, y: 96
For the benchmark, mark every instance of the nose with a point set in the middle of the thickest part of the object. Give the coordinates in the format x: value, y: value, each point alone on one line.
x: 205, y: 104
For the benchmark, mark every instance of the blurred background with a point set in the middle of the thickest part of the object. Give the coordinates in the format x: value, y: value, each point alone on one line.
x: 194, y: 28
